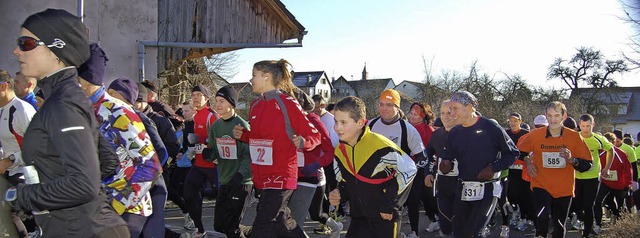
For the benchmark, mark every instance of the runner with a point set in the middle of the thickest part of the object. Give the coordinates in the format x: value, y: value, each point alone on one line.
x: 15, y: 116
x: 552, y: 179
x: 392, y: 124
x: 65, y: 192
x: 309, y: 165
x: 128, y: 189
x: 233, y: 164
x: 202, y: 170
x: 518, y: 193
x: 375, y: 172
x: 445, y: 184
x: 615, y: 185
x: 587, y: 183
x: 631, y: 200
x: 482, y: 149
x: 421, y: 117
x: 278, y: 130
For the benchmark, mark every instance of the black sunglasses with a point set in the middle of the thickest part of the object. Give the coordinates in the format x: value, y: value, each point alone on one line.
x: 27, y: 43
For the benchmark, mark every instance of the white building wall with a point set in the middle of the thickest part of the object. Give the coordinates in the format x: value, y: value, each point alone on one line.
x: 116, y: 25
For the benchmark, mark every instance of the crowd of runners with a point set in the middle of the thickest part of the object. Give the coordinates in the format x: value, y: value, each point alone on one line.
x: 86, y: 159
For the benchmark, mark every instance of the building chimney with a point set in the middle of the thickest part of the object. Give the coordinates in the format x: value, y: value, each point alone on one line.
x: 308, y: 80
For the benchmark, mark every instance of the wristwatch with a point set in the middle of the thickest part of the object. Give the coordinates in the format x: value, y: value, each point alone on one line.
x: 12, y: 158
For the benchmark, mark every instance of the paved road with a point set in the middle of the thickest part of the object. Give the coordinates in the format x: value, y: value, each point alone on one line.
x: 174, y: 222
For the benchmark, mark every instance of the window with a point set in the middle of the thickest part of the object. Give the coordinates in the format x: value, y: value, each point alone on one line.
x: 622, y: 109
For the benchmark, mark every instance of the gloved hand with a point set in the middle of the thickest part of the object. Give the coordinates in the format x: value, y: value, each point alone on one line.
x: 192, y: 138
x: 310, y: 169
x: 207, y: 154
x: 236, y: 180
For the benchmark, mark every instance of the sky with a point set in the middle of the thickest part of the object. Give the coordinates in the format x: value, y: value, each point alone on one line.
x: 502, y: 36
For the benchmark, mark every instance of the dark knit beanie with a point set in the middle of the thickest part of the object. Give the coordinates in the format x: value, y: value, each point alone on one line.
x: 149, y: 85
x: 93, y: 69
x: 127, y: 88
x: 228, y: 93
x: 142, y: 93
x: 64, y: 31
x: 202, y: 89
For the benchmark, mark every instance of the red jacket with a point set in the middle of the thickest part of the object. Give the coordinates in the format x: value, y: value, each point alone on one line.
x: 425, y: 130
x: 202, y: 120
x: 620, y: 171
x: 317, y: 155
x: 274, y: 162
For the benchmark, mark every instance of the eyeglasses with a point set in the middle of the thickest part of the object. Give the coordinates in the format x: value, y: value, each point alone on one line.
x: 27, y: 43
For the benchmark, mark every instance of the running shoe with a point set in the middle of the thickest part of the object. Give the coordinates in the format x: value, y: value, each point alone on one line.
x: 485, y: 232
x: 188, y: 222
x: 322, y: 230
x: 335, y: 226
x: 596, y: 229
x: 433, y: 226
x: 412, y: 235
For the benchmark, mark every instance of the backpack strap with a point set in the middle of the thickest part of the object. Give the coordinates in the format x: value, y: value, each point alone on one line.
x: 373, y: 122
x: 404, y: 144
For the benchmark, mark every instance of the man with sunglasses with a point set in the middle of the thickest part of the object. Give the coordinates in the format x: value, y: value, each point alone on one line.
x: 15, y: 115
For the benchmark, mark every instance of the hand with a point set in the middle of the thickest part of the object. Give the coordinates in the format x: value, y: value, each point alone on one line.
x: 4, y: 165
x: 445, y: 166
x: 565, y: 153
x: 428, y: 181
x: 236, y: 180
x: 605, y: 173
x: 298, y: 141
x: 386, y: 216
x: 486, y: 173
x: 310, y: 169
x: 237, y: 131
x: 531, y: 169
x: 334, y: 197
x: 207, y: 154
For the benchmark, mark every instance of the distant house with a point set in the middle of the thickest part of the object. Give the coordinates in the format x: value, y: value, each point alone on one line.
x: 363, y: 88
x: 342, y: 88
x: 313, y: 83
x: 411, y: 89
x: 621, y: 106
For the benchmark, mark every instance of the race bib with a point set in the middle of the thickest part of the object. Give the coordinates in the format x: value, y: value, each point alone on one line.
x: 552, y: 160
x: 300, y: 155
x: 613, y: 176
x: 227, y: 148
x: 472, y: 191
x: 261, y: 151
x: 454, y: 171
x: 516, y: 166
x: 199, y: 147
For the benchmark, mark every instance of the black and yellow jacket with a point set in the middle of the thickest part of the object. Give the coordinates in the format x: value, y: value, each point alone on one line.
x: 376, y: 176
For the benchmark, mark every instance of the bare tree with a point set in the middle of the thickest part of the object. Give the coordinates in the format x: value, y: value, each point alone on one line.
x: 587, y: 67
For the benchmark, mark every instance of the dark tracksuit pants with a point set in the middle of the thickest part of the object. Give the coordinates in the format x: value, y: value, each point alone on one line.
x: 420, y: 194
x: 472, y: 216
x: 229, y: 209
x: 192, y: 186
x: 585, y: 197
x: 378, y: 228
x: 446, y: 194
x: 273, y: 216
x: 543, y: 202
x: 175, y: 187
x: 154, y: 226
x: 519, y: 193
x: 606, y: 192
x: 502, y: 201
x: 317, y: 209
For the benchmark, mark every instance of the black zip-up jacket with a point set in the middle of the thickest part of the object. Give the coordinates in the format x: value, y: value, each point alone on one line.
x: 61, y: 143
x: 166, y: 132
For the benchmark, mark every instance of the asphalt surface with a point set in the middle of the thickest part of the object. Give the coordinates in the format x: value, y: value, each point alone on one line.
x: 175, y: 221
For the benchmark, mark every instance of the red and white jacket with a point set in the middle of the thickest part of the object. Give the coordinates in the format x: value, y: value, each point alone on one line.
x: 274, y: 162
x: 323, y: 153
x: 202, y: 120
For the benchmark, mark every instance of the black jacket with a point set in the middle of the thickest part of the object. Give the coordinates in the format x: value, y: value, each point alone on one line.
x: 165, y: 130
x: 61, y: 143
